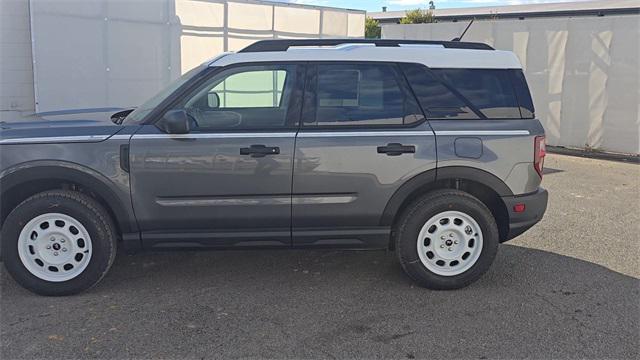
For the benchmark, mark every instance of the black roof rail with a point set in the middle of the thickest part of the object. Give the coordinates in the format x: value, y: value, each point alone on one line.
x: 284, y: 44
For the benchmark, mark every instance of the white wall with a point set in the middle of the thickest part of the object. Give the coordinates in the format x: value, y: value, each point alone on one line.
x: 117, y: 53
x: 584, y: 72
x: 16, y: 74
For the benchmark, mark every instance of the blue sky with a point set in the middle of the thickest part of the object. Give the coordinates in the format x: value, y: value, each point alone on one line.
x: 376, y: 5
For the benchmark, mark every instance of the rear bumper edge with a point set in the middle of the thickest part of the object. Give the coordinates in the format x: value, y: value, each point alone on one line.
x: 535, y: 207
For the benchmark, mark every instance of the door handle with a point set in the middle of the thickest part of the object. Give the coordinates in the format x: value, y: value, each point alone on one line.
x: 259, y: 151
x: 395, y: 149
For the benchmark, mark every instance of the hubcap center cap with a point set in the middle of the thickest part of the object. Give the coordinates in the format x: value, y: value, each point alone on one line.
x: 449, y: 242
x: 56, y: 246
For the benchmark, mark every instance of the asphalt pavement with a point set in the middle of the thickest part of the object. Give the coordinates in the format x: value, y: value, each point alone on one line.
x: 568, y: 288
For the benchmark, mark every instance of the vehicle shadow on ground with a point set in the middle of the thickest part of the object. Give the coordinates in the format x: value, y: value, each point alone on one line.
x: 327, y: 304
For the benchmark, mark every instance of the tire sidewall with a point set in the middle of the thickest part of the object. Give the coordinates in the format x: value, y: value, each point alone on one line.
x: 420, y: 214
x: 101, y: 235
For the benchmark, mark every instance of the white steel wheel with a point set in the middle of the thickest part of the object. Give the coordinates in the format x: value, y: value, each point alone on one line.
x: 450, y: 243
x: 54, y: 247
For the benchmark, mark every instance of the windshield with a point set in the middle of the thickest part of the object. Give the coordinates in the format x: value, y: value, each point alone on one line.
x: 143, y: 110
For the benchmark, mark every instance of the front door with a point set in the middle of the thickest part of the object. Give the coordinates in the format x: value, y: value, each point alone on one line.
x: 228, y: 181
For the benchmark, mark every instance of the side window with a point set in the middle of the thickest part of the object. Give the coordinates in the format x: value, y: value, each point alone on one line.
x: 249, y: 89
x: 250, y: 97
x: 522, y: 93
x: 362, y: 94
x: 489, y: 90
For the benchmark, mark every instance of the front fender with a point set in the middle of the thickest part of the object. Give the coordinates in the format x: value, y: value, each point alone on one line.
x: 115, y: 192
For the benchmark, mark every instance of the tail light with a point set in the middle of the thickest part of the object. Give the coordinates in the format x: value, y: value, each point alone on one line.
x: 539, y: 152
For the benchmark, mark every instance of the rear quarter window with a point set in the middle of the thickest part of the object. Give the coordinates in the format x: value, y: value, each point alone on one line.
x: 470, y: 93
x: 521, y: 88
x: 489, y: 90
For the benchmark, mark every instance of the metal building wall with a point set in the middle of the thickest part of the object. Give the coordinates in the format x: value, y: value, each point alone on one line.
x: 16, y: 73
x: 584, y: 73
x: 117, y: 53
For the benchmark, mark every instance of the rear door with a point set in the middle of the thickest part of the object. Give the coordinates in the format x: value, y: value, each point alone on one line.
x: 362, y: 136
x: 228, y: 181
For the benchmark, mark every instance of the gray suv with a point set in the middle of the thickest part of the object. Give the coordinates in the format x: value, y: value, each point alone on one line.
x: 430, y: 149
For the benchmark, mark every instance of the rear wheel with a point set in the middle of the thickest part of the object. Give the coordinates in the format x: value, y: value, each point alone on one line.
x: 446, y: 240
x: 58, y: 242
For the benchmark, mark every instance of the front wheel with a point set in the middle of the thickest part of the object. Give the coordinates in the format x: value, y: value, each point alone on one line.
x: 58, y: 242
x: 446, y: 240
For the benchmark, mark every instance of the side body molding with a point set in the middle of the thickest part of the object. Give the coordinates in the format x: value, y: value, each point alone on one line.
x: 429, y: 178
x: 117, y: 199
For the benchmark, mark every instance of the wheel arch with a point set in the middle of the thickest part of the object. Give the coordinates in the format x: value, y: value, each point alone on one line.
x: 24, y: 180
x: 483, y: 185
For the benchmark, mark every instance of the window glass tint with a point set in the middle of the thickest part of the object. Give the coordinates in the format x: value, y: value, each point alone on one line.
x: 437, y: 100
x: 245, y: 97
x: 362, y: 94
x: 522, y: 93
x: 489, y: 90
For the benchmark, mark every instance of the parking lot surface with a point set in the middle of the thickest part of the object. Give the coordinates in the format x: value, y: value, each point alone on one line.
x: 568, y: 288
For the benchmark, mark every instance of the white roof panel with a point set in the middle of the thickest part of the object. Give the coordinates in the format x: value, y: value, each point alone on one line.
x: 431, y: 56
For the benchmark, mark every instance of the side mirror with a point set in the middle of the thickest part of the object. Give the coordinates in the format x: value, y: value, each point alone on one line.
x: 175, y: 122
x: 213, y: 100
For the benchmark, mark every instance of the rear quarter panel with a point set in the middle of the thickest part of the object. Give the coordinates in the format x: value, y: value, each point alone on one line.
x: 503, y: 154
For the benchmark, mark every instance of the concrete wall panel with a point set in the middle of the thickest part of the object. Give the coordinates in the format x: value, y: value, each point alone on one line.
x: 103, y: 53
x: 297, y: 20
x: 356, y: 25
x: 16, y: 72
x: 250, y: 16
x: 334, y: 23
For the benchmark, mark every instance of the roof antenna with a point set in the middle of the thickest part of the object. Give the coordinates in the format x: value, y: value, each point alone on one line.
x: 464, y: 32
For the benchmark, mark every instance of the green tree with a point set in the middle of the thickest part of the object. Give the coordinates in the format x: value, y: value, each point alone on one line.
x: 418, y: 16
x: 371, y: 28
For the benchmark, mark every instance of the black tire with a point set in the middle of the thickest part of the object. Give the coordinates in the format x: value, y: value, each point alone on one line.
x: 419, y: 212
x: 84, y: 209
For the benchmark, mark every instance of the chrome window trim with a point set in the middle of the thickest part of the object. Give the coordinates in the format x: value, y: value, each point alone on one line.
x: 302, y: 134
x: 214, y: 136
x: 314, y: 134
x: 481, y: 132
x: 121, y: 137
x: 56, y: 139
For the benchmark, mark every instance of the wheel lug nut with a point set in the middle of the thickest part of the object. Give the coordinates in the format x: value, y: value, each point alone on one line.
x: 442, y: 246
x: 455, y: 242
x: 450, y: 249
x: 64, y: 249
x: 61, y: 240
x: 55, y: 253
x: 53, y: 239
x: 48, y: 246
x: 442, y: 237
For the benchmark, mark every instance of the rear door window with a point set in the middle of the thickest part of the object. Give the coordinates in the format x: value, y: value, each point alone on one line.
x: 362, y: 94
